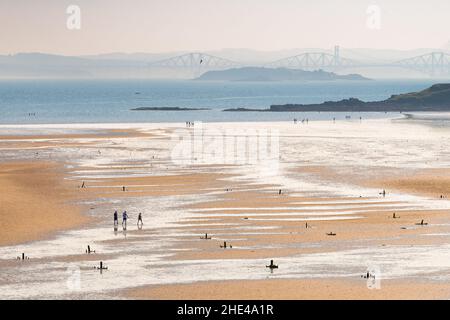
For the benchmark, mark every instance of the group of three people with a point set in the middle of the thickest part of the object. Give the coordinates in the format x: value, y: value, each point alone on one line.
x: 125, y: 217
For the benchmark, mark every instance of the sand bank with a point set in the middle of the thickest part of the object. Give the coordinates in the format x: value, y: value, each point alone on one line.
x: 35, y: 201
x: 294, y: 289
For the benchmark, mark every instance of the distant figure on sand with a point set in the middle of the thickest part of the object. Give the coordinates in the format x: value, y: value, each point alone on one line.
x: 116, y: 219
x: 279, y: 191
x: 124, y: 189
x: 124, y: 219
x: 383, y: 193
x: 140, y: 223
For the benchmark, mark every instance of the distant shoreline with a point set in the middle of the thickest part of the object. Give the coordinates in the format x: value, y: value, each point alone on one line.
x: 168, y: 109
x: 434, y: 99
x: 262, y: 74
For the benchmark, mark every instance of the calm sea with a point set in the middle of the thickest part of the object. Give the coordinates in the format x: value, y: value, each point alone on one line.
x: 101, y: 101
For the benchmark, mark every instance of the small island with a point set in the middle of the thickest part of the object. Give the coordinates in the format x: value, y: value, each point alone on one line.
x: 275, y: 74
x: 168, y: 109
x: 434, y: 98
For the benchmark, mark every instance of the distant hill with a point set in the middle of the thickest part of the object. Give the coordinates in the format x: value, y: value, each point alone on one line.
x: 435, y: 98
x: 40, y: 65
x: 119, y: 65
x: 271, y: 74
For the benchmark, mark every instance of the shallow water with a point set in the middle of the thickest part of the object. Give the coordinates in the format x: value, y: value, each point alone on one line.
x: 138, y: 258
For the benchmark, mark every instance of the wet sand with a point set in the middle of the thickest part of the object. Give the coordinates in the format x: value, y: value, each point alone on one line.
x: 434, y: 183
x: 250, y: 215
x: 36, y: 202
x: 37, y: 199
x: 294, y: 289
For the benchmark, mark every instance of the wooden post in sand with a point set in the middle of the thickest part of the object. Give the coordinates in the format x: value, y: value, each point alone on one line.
x: 225, y: 245
x: 101, y: 268
x: 271, y: 265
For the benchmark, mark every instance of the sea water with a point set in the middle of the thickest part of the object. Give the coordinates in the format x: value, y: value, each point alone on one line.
x: 111, y: 101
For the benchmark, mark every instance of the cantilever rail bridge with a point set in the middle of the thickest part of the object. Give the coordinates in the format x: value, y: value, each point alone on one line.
x: 196, y: 63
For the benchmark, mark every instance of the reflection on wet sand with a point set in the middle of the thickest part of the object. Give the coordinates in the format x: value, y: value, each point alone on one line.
x: 331, y: 175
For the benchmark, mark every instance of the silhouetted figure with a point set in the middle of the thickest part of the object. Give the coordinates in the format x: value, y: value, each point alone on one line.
x: 116, y: 219
x: 140, y: 223
x: 124, y: 220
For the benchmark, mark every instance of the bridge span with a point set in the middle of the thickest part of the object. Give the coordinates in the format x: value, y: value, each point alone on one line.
x: 432, y: 64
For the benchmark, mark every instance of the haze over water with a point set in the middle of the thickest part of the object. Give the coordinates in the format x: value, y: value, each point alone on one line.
x: 110, y: 101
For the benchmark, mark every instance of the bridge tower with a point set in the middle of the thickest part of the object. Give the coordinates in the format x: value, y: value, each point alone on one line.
x: 336, y: 56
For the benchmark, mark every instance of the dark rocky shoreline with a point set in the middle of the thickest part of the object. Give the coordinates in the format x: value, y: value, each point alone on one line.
x: 435, y: 98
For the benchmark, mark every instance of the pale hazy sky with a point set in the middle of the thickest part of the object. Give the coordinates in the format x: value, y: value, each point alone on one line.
x: 177, y: 25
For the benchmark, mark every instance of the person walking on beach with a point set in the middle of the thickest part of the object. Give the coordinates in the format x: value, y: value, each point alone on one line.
x: 116, y: 219
x: 124, y: 219
x: 140, y: 223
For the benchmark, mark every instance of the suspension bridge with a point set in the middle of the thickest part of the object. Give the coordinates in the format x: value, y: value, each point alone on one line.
x: 435, y: 64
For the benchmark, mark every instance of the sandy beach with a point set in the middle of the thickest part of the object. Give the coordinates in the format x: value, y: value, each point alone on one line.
x: 35, y: 202
x: 293, y: 289
x: 320, y: 215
